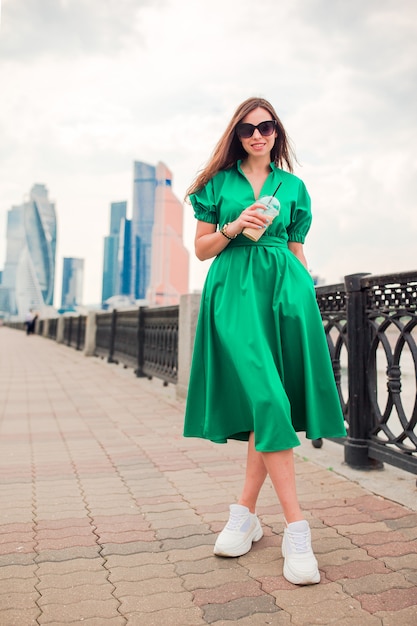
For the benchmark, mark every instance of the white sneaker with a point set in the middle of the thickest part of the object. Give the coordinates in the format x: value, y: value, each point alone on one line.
x: 300, y: 564
x: 240, y: 531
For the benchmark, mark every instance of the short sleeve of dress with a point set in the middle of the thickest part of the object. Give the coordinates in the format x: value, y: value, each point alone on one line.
x: 203, y: 204
x: 300, y: 216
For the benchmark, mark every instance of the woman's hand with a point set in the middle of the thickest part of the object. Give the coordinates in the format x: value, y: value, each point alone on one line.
x: 209, y: 242
x: 249, y: 218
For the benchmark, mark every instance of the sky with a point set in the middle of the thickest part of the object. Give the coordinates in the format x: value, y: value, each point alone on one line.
x: 89, y: 86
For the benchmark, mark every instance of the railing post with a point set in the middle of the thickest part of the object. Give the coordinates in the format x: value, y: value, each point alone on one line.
x: 360, y: 419
x: 112, y: 336
x: 60, y: 329
x: 90, y: 334
x: 141, y: 342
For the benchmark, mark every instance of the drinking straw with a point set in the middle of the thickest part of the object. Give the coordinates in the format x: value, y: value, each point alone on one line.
x: 276, y: 189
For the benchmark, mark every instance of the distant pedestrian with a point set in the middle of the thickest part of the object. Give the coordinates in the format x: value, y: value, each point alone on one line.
x: 29, y: 322
x: 33, y: 323
x: 261, y: 369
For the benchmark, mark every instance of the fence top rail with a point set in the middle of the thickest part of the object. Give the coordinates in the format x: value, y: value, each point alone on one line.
x: 161, y: 313
x: 323, y: 290
x: 70, y: 317
x: 161, y: 309
x: 103, y: 317
x: 131, y: 314
x: 391, y: 292
x: 331, y: 299
x: 390, y: 280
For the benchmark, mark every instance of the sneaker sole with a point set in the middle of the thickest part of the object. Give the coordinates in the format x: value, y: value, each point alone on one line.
x: 243, y: 548
x: 314, y: 579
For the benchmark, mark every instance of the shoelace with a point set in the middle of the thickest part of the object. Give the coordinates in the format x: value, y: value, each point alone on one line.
x: 236, y: 521
x: 299, y: 541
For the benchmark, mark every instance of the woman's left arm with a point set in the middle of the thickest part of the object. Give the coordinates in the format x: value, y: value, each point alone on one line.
x: 298, y: 251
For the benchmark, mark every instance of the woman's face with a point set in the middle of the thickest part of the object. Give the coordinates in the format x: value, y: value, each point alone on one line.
x: 258, y: 144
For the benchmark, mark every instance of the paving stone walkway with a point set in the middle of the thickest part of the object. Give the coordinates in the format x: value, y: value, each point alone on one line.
x: 108, y: 515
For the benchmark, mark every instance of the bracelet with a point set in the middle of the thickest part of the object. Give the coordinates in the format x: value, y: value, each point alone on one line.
x: 223, y: 231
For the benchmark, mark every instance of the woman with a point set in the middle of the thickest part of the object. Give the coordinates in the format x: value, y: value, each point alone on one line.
x: 261, y: 369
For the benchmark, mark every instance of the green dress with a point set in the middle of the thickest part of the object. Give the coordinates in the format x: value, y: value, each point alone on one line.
x: 261, y: 361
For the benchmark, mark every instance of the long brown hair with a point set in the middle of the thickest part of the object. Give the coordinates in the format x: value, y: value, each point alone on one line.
x: 229, y: 149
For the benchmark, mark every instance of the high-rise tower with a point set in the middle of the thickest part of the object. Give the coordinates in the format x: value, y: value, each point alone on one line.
x: 72, y: 283
x: 169, y: 257
x: 29, y: 271
x: 111, y: 265
x: 144, y: 185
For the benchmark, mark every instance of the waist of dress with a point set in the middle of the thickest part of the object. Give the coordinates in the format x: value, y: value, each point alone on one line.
x: 267, y: 241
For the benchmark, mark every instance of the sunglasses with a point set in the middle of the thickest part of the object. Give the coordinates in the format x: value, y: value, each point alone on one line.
x: 244, y: 131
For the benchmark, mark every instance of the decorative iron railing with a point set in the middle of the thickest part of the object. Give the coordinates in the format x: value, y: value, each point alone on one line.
x: 332, y: 304
x: 391, y: 310
x: 74, y: 331
x: 103, y: 341
x: 16, y: 325
x: 125, y: 338
x: 52, y: 328
x: 371, y: 329
x: 145, y: 339
x: 159, y: 330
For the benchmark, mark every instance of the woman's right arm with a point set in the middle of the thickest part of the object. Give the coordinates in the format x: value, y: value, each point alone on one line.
x: 209, y: 242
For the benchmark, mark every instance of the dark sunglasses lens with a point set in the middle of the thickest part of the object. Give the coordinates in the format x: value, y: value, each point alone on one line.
x: 245, y: 131
x: 266, y: 128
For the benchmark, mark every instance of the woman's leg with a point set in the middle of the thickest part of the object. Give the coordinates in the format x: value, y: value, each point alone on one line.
x: 254, y: 478
x: 280, y: 467
x: 281, y: 470
x: 243, y: 527
x: 300, y: 564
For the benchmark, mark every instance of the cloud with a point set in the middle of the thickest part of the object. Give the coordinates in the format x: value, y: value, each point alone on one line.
x: 89, y: 86
x: 32, y: 28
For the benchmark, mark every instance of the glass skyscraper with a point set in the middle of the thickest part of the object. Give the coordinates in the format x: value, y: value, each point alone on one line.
x: 109, y: 287
x: 29, y: 271
x: 116, y: 265
x: 72, y: 283
x: 125, y: 257
x: 117, y: 214
x: 170, y: 258
x: 143, y: 213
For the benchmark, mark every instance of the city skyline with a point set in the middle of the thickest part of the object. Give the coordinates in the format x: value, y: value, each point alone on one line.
x: 154, y: 234
x: 142, y: 81
x: 144, y: 256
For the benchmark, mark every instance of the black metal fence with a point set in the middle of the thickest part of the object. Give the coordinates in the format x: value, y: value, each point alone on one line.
x: 371, y: 329
x: 158, y: 335
x: 74, y: 331
x: 370, y: 323
x: 52, y: 328
x: 104, y: 331
x: 145, y: 339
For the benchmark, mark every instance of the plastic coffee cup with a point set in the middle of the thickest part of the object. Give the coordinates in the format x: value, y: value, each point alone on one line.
x: 272, y: 210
